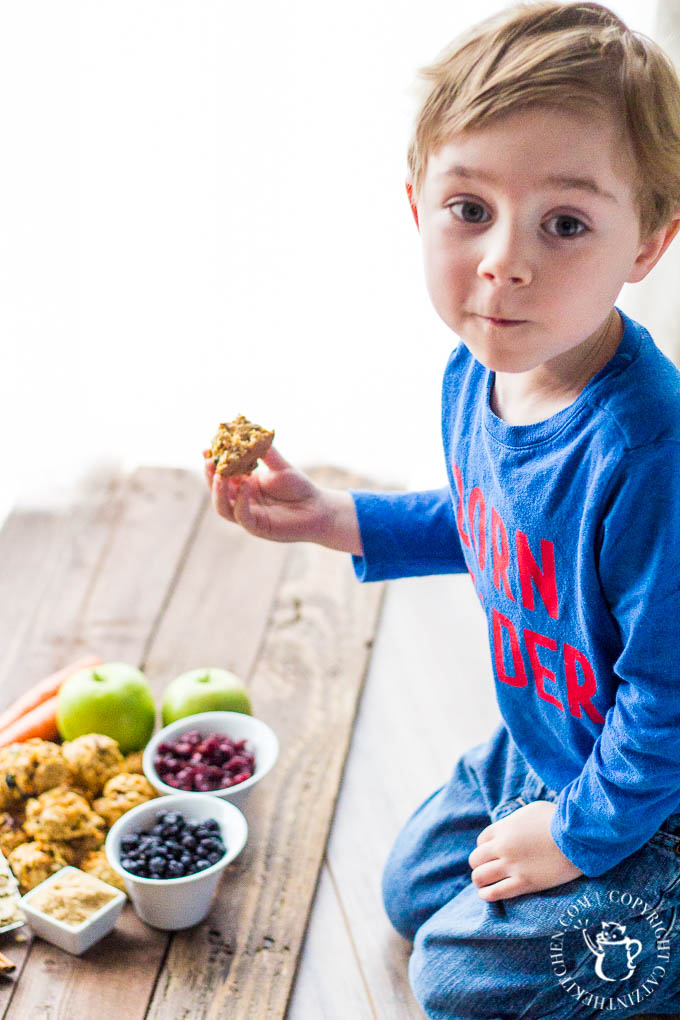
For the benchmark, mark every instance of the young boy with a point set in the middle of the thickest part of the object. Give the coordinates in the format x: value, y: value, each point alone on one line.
x: 544, y: 879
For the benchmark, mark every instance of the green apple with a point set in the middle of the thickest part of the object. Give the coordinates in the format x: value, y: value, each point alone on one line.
x: 204, y: 690
x: 114, y: 699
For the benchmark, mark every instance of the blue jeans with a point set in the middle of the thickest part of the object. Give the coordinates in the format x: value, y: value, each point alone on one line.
x: 592, y: 947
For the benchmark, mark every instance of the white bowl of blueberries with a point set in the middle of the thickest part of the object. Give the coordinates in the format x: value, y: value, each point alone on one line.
x: 171, y: 852
x: 222, y: 753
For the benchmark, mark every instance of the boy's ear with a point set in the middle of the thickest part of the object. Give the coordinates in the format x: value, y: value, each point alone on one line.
x: 652, y: 249
x: 409, y: 192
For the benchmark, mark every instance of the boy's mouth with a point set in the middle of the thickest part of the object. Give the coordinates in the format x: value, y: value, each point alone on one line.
x: 502, y: 322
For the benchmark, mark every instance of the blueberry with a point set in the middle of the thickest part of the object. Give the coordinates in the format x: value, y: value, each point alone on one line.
x: 173, y: 847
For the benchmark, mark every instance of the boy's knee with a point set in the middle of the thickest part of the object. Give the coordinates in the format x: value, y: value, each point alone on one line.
x: 451, y: 981
x: 397, y: 893
x: 437, y: 982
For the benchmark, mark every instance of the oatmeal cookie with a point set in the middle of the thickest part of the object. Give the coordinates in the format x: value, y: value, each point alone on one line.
x: 133, y: 762
x: 238, y: 445
x: 63, y: 815
x: 122, y: 793
x: 93, y: 758
x: 29, y: 768
x: 97, y: 863
x: 11, y: 831
x: 32, y: 863
x: 75, y: 850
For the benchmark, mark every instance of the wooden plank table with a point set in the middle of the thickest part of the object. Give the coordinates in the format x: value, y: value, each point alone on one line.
x: 141, y: 570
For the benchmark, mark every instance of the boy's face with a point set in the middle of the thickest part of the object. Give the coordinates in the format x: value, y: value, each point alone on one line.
x: 530, y: 229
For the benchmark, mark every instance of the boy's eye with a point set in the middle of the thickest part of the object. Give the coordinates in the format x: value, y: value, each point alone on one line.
x: 565, y: 226
x: 469, y: 211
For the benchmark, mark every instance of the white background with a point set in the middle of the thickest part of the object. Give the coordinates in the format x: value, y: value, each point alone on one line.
x: 203, y: 214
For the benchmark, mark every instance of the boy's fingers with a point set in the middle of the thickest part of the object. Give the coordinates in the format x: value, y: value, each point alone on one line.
x: 221, y: 498
x: 489, y: 873
x: 485, y: 835
x: 506, y: 889
x: 480, y: 855
x: 208, y: 467
x: 241, y: 508
x: 274, y: 460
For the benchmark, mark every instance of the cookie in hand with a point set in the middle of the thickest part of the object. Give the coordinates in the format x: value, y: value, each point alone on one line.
x: 238, y: 445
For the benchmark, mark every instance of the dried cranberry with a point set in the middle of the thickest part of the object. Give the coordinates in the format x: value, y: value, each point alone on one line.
x: 241, y: 778
x: 204, y: 762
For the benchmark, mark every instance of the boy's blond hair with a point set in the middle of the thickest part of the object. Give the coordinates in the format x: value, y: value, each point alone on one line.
x: 574, y: 56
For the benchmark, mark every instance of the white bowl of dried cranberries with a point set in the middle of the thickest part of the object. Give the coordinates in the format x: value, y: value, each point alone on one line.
x: 221, y: 753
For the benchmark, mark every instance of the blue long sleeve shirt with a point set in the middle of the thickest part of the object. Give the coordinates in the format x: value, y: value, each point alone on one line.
x: 570, y: 530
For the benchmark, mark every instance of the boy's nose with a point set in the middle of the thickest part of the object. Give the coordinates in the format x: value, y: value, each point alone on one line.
x: 505, y: 260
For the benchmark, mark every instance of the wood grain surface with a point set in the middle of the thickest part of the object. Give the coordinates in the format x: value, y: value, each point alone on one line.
x: 305, y: 683
x: 143, y: 571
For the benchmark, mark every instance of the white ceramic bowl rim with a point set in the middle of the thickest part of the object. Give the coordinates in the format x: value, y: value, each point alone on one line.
x: 28, y: 897
x: 114, y: 859
x: 195, y: 722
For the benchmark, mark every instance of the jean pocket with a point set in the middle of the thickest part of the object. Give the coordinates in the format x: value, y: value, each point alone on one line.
x: 649, y: 876
x: 506, y: 807
x: 534, y: 789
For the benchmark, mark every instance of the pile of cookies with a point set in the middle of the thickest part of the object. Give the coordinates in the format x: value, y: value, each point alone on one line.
x: 57, y: 803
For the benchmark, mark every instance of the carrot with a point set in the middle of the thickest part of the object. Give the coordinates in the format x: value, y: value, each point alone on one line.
x: 40, y: 721
x: 43, y: 690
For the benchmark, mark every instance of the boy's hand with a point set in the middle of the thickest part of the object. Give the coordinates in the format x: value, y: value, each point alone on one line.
x: 280, y: 503
x: 518, y: 855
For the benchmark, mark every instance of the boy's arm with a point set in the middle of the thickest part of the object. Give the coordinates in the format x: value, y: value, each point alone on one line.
x: 630, y: 783
x: 282, y: 504
x: 407, y: 534
x: 388, y: 534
